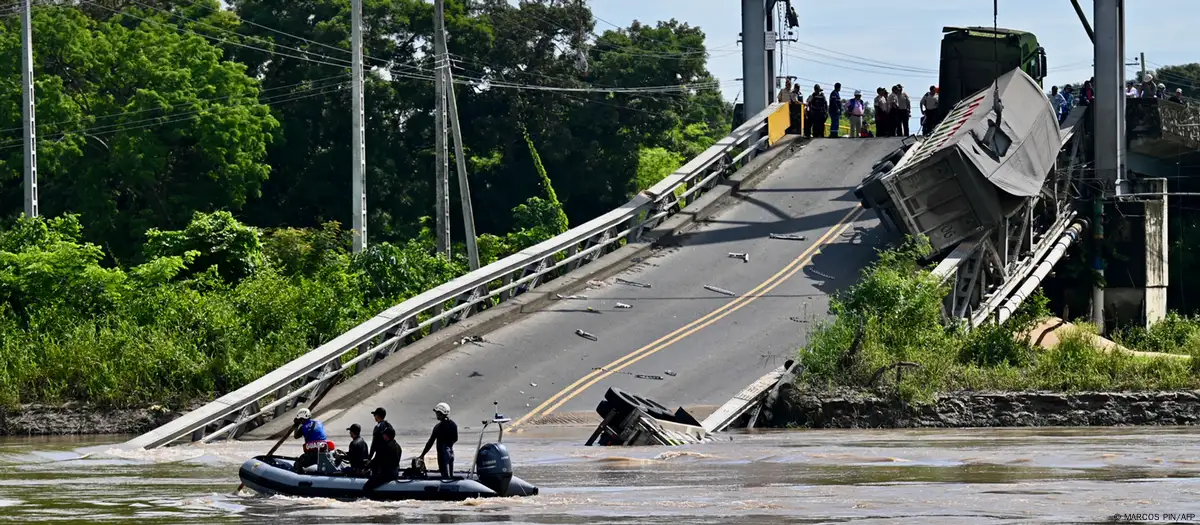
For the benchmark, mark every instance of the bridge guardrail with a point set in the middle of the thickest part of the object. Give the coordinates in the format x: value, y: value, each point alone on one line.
x: 366, y: 344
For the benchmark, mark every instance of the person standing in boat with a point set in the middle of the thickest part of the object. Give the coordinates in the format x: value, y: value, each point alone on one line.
x: 381, y: 425
x: 385, y: 466
x: 445, y: 435
x: 314, y: 439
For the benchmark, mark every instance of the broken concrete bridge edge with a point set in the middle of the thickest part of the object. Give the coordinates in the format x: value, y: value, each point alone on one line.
x: 408, y: 359
x: 857, y: 408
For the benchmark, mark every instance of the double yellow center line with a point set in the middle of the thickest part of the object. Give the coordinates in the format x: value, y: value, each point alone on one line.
x: 574, y: 389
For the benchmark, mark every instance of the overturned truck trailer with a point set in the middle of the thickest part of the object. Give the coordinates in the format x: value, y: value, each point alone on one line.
x: 969, y: 173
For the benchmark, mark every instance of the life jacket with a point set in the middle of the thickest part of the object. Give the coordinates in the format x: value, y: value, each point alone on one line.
x: 314, y: 435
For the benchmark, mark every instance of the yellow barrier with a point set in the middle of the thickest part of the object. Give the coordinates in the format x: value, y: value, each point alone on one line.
x: 778, y: 123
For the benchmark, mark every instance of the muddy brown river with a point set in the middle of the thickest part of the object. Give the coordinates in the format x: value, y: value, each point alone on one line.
x: 1151, y: 475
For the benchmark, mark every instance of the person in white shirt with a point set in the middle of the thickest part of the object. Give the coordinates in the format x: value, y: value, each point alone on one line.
x: 929, y: 105
x: 785, y: 94
x: 883, y: 117
x: 902, y: 109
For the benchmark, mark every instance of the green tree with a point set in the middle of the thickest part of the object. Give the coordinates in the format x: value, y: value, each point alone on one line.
x: 139, y: 125
x: 1183, y: 76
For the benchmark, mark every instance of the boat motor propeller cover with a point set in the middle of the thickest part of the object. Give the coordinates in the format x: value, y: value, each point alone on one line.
x: 494, y: 467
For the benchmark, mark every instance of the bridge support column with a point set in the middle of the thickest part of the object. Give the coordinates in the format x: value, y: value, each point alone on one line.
x: 756, y: 89
x: 1156, y: 251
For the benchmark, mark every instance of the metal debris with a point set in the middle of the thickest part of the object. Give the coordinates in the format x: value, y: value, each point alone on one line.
x: 670, y: 373
x: 645, y: 376
x: 623, y: 305
x: 632, y: 283
x: 718, y: 290
x: 788, y: 237
x: 821, y: 274
x: 639, y: 376
x: 470, y: 339
x: 533, y: 384
x: 570, y: 297
x: 745, y: 257
x: 586, y: 335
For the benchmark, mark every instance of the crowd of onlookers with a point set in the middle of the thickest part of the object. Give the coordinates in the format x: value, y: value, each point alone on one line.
x: 892, y: 111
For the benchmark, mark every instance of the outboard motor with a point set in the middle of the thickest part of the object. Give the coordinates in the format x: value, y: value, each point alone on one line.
x: 494, y: 467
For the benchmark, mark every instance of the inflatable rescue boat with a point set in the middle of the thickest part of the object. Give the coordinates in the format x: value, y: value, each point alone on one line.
x: 490, y: 477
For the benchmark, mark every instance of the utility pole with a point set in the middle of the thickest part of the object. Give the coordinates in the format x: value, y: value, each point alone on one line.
x: 1142, y: 61
x: 31, y: 189
x: 446, y: 97
x: 442, y: 179
x: 358, y: 142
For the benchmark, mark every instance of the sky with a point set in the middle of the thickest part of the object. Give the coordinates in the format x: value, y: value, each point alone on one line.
x: 901, y: 39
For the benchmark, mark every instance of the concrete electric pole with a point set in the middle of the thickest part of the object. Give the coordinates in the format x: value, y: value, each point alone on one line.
x: 441, y: 177
x: 31, y: 189
x: 358, y: 142
x: 446, y: 100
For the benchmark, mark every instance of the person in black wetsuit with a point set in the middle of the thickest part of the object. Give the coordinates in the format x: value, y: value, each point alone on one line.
x: 445, y: 435
x: 385, y: 466
x: 357, y: 453
x: 381, y: 425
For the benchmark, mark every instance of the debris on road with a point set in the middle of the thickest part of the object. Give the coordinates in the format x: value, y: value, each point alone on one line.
x: 623, y: 305
x: 788, y: 237
x: 475, y: 374
x: 632, y: 283
x: 646, y: 376
x: 820, y: 274
x: 586, y: 335
x: 670, y: 373
x: 595, y: 283
x: 718, y: 290
x: 470, y: 339
x: 571, y: 297
x: 533, y: 384
x: 745, y: 257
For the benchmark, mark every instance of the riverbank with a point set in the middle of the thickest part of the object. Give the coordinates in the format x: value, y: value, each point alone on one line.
x: 854, y: 408
x: 77, y: 418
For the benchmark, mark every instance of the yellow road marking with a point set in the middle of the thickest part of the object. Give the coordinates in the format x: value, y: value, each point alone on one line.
x: 766, y: 286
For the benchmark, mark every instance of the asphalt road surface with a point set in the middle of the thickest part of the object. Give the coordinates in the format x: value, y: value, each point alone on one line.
x: 540, y: 372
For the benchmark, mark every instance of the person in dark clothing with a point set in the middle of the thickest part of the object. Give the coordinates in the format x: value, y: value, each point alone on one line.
x: 385, y: 466
x: 357, y: 453
x: 445, y: 435
x: 1177, y: 97
x: 381, y: 425
x: 818, y: 111
x: 835, y: 110
x: 883, y: 121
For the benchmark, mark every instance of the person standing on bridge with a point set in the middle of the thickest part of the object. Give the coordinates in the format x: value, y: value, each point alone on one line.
x: 1178, y: 97
x: 835, y: 110
x: 818, y: 111
x: 856, y: 107
x: 445, y: 435
x: 314, y: 439
x: 381, y: 426
x: 929, y: 105
x: 883, y: 117
x: 901, y: 110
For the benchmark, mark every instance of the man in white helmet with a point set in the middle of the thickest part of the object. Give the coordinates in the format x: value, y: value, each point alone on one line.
x: 314, y: 438
x: 445, y: 435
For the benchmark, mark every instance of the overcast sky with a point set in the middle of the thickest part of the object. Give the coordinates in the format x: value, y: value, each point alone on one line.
x: 907, y: 35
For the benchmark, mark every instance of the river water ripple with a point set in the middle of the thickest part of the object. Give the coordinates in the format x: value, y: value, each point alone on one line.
x: 853, y: 476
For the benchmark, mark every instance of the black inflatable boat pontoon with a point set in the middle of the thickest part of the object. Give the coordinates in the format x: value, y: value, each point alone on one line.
x: 490, y: 477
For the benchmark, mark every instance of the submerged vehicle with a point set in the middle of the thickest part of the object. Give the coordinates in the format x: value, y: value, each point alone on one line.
x: 490, y: 477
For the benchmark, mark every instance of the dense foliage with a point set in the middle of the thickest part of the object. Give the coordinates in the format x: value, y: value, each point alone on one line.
x: 194, y: 163
x: 151, y: 110
x: 893, y: 315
